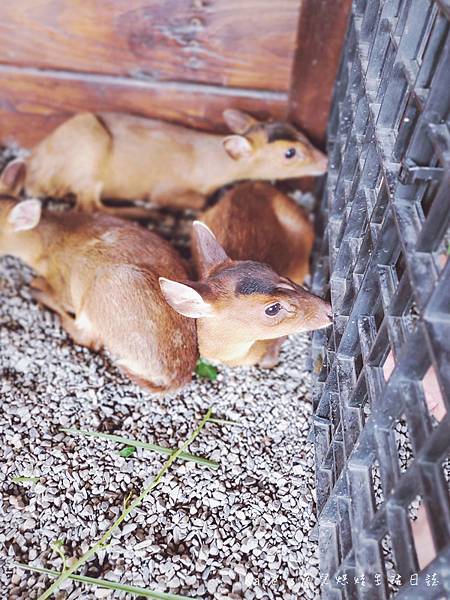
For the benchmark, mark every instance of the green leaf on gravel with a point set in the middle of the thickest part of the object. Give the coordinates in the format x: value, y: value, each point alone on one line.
x: 58, y: 547
x: 206, y: 369
x: 127, y: 451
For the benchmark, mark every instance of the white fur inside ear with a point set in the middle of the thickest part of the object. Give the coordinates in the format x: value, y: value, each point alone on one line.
x: 184, y: 299
x: 25, y: 215
x: 237, y: 146
x: 200, y: 224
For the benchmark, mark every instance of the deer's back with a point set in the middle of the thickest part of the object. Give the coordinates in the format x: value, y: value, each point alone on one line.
x: 254, y: 221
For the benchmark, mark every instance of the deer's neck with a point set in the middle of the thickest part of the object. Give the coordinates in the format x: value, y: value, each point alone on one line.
x: 26, y: 245
x: 215, y: 344
x: 39, y: 246
x: 214, y: 168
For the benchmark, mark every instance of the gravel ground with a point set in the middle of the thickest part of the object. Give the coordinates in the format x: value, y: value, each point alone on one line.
x: 239, y: 532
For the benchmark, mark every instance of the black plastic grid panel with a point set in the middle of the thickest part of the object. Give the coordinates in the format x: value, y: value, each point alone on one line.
x: 382, y: 257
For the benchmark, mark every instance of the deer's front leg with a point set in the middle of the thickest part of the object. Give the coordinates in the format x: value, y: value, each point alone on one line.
x: 263, y: 353
x: 271, y: 352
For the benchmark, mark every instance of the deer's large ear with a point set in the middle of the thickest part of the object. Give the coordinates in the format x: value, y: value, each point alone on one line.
x: 184, y: 299
x: 206, y: 250
x: 13, y: 176
x: 238, y: 121
x: 25, y: 215
x: 237, y: 146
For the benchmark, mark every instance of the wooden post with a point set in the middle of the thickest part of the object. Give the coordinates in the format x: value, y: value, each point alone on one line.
x: 320, y: 39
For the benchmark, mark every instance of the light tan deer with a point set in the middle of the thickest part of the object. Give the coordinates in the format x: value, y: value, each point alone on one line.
x: 244, y: 309
x: 118, y: 156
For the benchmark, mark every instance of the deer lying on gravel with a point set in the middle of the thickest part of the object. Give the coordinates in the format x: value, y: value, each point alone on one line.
x: 244, y: 309
x: 107, y: 279
x: 255, y: 221
x: 118, y: 156
x: 100, y: 275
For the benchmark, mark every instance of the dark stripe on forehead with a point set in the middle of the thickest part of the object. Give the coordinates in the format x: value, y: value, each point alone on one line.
x: 251, y: 285
x: 281, y: 131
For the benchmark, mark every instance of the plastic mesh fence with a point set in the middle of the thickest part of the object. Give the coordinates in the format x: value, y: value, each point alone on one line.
x: 382, y: 372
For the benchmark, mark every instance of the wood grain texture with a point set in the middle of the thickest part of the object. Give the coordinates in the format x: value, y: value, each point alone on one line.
x: 321, y: 34
x: 33, y: 103
x: 233, y: 43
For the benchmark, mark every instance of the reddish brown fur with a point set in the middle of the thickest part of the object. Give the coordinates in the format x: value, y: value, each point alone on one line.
x: 119, y: 156
x: 105, y: 272
x: 255, y: 221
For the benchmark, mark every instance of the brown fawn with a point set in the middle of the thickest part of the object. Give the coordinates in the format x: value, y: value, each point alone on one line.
x: 118, y: 156
x: 100, y: 275
x: 256, y: 221
x: 244, y: 309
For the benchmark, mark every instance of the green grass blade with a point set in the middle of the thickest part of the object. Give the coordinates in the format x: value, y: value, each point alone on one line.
x: 224, y: 422
x: 110, y: 585
x: 24, y: 479
x: 211, y: 464
x: 127, y: 510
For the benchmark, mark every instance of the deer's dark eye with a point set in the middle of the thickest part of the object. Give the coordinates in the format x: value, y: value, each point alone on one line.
x: 290, y: 152
x: 273, y: 309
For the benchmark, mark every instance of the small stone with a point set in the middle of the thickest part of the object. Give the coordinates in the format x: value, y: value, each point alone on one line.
x: 28, y: 524
x: 174, y: 583
x: 102, y: 593
x: 128, y: 528
x: 212, y: 585
x: 299, y: 535
x: 249, y: 544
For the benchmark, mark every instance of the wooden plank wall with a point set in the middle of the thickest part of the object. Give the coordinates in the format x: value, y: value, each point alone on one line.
x: 181, y: 60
